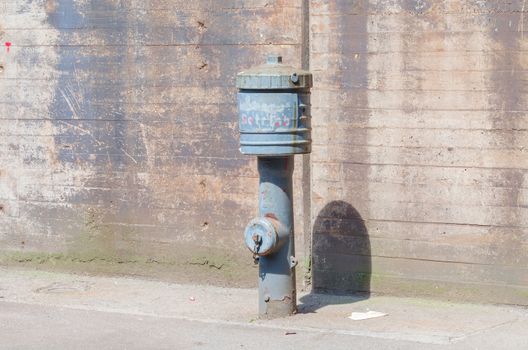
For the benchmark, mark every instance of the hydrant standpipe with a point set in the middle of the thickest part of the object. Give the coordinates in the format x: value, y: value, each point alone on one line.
x: 274, y: 124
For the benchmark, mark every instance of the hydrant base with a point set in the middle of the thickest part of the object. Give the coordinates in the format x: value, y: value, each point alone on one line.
x: 278, y: 309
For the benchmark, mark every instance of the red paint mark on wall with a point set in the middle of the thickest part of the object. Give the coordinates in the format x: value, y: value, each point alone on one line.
x: 8, y: 45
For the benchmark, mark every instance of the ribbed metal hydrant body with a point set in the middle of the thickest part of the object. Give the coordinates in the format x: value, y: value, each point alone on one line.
x: 274, y: 123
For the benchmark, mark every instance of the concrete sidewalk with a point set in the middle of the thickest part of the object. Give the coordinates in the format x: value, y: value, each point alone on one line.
x: 41, y: 310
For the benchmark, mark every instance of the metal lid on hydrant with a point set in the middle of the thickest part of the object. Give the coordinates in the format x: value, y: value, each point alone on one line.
x: 274, y: 75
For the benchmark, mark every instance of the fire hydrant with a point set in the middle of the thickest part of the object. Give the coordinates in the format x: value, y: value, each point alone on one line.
x: 274, y: 124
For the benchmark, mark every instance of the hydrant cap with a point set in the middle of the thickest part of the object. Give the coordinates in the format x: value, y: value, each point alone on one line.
x: 274, y: 75
x: 261, y: 236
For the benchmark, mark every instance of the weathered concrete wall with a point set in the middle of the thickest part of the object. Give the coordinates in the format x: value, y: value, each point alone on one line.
x: 118, y: 140
x: 420, y: 164
x: 118, y: 134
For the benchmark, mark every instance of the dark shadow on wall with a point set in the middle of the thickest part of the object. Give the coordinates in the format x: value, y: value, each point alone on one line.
x: 341, y: 257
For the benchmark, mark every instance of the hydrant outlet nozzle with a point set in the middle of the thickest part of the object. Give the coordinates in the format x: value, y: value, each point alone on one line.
x: 261, y: 236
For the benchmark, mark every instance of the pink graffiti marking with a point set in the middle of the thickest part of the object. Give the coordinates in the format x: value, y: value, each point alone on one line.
x: 8, y: 45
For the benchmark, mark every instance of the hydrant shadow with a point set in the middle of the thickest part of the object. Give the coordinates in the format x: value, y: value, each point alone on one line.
x: 341, y: 258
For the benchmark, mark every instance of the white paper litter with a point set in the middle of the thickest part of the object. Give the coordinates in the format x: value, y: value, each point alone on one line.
x: 358, y: 316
